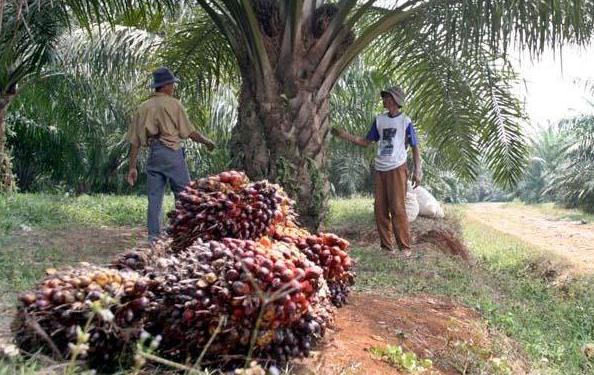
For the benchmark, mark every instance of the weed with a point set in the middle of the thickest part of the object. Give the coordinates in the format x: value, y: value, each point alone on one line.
x: 401, y: 359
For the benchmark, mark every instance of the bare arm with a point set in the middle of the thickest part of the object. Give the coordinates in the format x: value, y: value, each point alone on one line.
x: 418, y: 172
x: 200, y: 138
x: 356, y: 140
x: 132, y: 171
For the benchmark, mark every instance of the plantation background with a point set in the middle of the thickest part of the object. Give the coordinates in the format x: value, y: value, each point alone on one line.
x: 66, y: 133
x: 524, y: 301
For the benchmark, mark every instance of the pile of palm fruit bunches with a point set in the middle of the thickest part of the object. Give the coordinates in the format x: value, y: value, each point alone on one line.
x: 235, y: 274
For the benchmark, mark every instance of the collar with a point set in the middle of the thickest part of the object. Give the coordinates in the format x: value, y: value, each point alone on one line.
x: 157, y: 93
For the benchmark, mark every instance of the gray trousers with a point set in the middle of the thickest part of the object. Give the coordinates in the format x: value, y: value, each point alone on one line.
x: 164, y: 164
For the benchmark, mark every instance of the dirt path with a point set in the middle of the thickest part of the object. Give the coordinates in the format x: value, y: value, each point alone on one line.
x: 453, y: 336
x: 571, y: 240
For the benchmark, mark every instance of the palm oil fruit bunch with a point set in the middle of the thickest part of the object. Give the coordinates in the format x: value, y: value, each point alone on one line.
x: 87, y: 312
x: 231, y: 285
x: 227, y: 205
x: 329, y: 252
x: 142, y: 259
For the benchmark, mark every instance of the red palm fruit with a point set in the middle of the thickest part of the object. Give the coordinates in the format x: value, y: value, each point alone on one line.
x: 306, y: 287
x: 248, y: 262
x: 341, y: 254
x: 279, y: 267
x: 299, y: 273
x: 237, y: 313
x: 290, y: 308
x: 57, y: 297
x: 264, y: 274
x: 232, y: 275
x: 346, y: 262
x: 225, y: 177
x: 313, y: 273
x: 343, y: 244
x: 139, y: 304
x: 42, y: 303
x: 301, y: 244
x: 188, y: 315
x: 129, y: 315
x: 287, y: 275
x: 27, y: 298
x: 294, y: 285
x: 276, y: 283
x: 94, y: 295
x: 240, y: 288
x: 140, y: 286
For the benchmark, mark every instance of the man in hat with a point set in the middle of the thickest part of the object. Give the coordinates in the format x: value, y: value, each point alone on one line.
x: 161, y: 123
x: 393, y: 131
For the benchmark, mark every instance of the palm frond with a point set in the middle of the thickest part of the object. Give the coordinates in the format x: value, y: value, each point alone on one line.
x: 464, y: 103
x: 201, y: 56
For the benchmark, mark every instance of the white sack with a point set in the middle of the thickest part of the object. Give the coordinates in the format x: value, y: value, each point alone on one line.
x: 411, y: 204
x: 428, y: 205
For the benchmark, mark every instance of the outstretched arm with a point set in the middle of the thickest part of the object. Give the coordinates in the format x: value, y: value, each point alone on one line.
x: 198, y: 137
x: 418, y: 172
x: 356, y: 140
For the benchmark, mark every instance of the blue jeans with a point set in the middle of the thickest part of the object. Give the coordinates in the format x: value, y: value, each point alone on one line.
x: 164, y: 164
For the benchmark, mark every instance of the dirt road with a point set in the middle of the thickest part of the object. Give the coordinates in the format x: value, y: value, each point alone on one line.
x: 572, y: 240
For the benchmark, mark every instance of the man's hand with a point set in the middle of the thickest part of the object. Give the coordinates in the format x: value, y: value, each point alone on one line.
x: 132, y: 176
x: 210, y: 145
x: 416, y: 179
x: 336, y: 132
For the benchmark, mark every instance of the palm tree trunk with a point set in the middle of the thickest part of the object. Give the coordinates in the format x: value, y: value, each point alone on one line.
x: 283, y: 140
x: 7, y: 182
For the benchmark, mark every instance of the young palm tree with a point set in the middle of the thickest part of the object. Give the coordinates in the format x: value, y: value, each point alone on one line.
x: 447, y: 54
x: 29, y: 34
x: 77, y: 109
x: 573, y: 180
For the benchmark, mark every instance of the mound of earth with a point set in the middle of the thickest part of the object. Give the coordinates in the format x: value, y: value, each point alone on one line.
x: 454, y: 337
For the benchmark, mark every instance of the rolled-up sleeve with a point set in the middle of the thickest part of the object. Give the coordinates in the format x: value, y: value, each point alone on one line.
x: 185, y: 125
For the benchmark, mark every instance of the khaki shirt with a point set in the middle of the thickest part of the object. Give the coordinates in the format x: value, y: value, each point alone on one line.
x: 163, y: 117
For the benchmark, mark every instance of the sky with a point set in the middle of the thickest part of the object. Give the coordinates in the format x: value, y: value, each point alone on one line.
x: 553, y: 86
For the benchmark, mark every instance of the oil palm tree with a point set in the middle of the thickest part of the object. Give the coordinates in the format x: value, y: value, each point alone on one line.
x: 30, y: 31
x: 448, y: 55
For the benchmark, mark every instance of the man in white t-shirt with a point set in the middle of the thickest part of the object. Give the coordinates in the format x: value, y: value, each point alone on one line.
x: 393, y: 131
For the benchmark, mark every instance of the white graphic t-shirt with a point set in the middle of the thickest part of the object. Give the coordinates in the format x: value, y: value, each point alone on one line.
x: 393, y: 134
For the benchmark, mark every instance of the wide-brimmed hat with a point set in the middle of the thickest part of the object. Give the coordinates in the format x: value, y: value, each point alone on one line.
x: 396, y: 93
x: 162, y: 77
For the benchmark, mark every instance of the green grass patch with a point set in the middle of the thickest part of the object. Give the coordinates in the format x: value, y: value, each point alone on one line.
x: 351, y: 212
x: 52, y: 211
x: 552, y: 324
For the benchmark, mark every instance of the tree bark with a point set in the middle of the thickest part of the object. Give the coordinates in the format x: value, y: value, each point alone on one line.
x: 7, y: 182
x: 283, y: 140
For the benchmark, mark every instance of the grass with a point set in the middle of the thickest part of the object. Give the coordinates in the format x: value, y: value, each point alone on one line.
x: 50, y: 211
x: 550, y: 323
x: 552, y: 210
